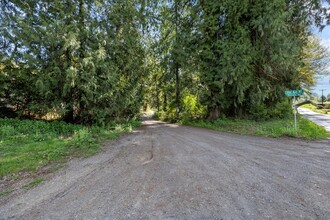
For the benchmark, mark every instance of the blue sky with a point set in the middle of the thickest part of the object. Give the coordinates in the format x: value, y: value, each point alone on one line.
x: 323, y: 82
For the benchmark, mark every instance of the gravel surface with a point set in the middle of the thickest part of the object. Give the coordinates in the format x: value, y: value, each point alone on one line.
x: 165, y: 171
x: 317, y: 118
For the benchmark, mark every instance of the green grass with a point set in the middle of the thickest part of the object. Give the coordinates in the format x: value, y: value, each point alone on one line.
x: 26, y: 145
x: 273, y: 128
x: 6, y: 192
x: 315, y: 109
x: 33, y: 183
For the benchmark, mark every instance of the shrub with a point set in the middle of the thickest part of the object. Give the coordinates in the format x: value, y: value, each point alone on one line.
x: 159, y: 115
x: 191, y: 108
x: 259, y: 111
x: 281, y: 110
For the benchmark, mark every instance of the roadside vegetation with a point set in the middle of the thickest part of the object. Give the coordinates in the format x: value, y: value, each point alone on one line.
x: 262, y: 121
x: 27, y: 146
x: 103, y: 60
x: 33, y: 183
x: 272, y: 128
x: 194, y: 61
x: 325, y: 109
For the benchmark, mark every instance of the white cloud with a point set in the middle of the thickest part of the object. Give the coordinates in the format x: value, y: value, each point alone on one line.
x: 325, y: 43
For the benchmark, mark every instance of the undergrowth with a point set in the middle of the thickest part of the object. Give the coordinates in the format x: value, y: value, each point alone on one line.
x: 270, y: 128
x: 26, y: 145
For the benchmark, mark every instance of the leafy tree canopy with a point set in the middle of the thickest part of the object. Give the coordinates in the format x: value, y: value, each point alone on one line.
x: 95, y: 61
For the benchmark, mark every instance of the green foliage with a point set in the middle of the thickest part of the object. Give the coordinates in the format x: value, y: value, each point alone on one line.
x: 260, y: 111
x: 91, y: 62
x: 159, y: 115
x: 269, y: 128
x: 309, y: 129
x: 281, y: 110
x: 248, y: 60
x: 314, y: 60
x: 237, y: 57
x: 6, y: 192
x: 28, y: 145
x: 33, y: 183
x: 170, y: 115
x: 81, y: 59
x: 191, y: 108
x: 318, y: 108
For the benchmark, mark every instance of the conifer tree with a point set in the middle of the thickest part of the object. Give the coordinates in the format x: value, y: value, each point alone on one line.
x: 88, y: 60
x: 82, y: 59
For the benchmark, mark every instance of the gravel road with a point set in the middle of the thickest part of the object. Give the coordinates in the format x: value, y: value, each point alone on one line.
x: 165, y: 171
x: 317, y: 118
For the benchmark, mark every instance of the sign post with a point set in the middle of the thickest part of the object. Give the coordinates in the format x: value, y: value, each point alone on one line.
x: 295, y: 112
x: 294, y: 93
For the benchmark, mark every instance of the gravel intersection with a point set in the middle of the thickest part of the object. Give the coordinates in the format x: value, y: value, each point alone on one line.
x: 166, y: 171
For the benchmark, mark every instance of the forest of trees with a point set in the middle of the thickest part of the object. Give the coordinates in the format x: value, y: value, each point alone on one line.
x: 102, y: 60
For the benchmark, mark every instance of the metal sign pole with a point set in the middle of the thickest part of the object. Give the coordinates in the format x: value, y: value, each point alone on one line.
x: 294, y: 93
x: 295, y: 112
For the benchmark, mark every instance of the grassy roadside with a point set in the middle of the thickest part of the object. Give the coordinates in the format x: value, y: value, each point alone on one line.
x: 274, y: 128
x: 318, y: 110
x: 26, y: 146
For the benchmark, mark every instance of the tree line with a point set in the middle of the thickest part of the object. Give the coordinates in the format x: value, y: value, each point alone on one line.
x: 95, y: 61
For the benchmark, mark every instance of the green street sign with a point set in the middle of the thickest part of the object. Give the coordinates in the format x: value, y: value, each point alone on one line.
x: 294, y: 92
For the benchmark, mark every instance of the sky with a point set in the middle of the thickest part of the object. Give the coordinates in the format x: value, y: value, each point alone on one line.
x: 323, y: 82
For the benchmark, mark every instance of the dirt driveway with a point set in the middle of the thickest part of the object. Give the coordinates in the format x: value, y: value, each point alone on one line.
x: 165, y: 171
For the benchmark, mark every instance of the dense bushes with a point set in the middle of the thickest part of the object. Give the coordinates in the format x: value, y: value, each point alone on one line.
x: 192, y: 110
x: 280, y: 110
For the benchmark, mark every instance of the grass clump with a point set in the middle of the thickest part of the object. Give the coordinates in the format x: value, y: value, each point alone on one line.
x: 271, y: 128
x: 33, y: 183
x: 6, y: 192
x: 26, y: 145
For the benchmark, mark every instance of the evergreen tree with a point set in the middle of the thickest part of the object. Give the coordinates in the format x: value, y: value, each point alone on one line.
x: 83, y: 59
x: 250, y: 52
x: 94, y: 61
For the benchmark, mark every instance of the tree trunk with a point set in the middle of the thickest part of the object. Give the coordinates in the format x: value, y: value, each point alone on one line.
x: 214, y: 113
x: 176, y: 68
x: 177, y: 92
x: 157, y: 98
x: 240, y: 111
x: 165, y: 103
x: 69, y: 117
